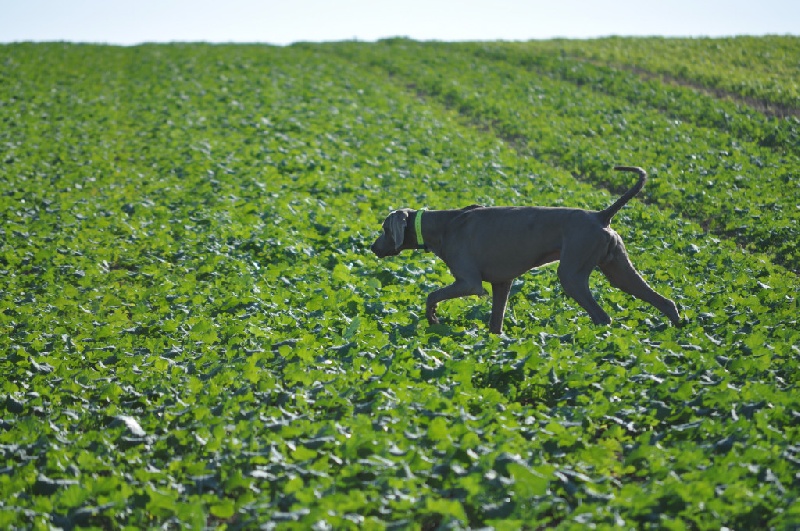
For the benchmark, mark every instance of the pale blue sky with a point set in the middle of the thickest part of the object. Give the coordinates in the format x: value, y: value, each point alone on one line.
x: 287, y: 21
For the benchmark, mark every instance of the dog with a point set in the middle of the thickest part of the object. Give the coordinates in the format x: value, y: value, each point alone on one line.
x: 498, y: 244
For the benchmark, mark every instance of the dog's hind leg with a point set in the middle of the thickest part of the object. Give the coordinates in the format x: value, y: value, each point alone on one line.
x: 620, y: 272
x: 576, y: 285
x: 573, y: 272
x: 577, y: 263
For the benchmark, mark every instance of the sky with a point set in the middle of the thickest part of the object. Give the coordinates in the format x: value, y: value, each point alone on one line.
x: 128, y: 22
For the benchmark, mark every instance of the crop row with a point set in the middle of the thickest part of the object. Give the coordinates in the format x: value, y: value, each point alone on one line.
x: 674, y: 100
x: 730, y: 185
x: 195, y: 334
x: 763, y: 68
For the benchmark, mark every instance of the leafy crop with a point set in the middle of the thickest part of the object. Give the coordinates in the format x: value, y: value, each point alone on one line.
x: 193, y: 331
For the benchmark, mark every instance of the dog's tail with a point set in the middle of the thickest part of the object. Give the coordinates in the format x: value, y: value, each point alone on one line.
x: 607, y: 214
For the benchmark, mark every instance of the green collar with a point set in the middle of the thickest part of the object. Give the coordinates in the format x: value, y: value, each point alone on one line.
x: 418, y: 228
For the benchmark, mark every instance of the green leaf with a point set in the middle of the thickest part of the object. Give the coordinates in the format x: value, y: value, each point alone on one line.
x: 444, y: 507
x: 352, y: 328
x: 204, y: 331
x: 224, y: 508
x: 528, y: 483
x: 438, y: 430
x: 161, y: 503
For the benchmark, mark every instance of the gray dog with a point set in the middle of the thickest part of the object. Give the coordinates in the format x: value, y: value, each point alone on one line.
x: 498, y: 244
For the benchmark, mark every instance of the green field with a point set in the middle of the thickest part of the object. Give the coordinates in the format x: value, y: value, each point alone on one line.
x: 193, y: 332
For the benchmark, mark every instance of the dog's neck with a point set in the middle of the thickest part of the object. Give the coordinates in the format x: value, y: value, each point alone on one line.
x: 431, y: 226
x: 418, y: 230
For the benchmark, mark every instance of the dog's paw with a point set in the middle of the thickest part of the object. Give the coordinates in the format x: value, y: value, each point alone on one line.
x: 430, y: 313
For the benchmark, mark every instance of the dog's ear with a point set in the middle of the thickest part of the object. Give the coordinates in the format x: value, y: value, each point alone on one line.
x: 397, y: 227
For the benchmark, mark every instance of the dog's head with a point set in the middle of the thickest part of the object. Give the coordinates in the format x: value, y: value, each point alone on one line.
x: 392, y: 239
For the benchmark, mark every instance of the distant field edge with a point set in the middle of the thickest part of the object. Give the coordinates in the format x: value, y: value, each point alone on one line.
x: 764, y: 68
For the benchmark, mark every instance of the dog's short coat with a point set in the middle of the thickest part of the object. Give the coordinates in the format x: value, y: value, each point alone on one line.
x: 498, y: 244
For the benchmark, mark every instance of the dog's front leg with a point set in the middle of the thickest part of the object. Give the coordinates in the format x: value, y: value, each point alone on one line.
x: 500, y: 291
x: 462, y: 287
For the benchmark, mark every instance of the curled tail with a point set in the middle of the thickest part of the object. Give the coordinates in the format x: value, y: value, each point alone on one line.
x: 607, y: 214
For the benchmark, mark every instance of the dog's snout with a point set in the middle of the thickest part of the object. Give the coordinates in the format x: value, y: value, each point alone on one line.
x: 376, y: 247
x: 382, y: 247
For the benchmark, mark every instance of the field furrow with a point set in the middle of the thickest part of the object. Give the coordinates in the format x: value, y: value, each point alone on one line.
x: 193, y: 332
